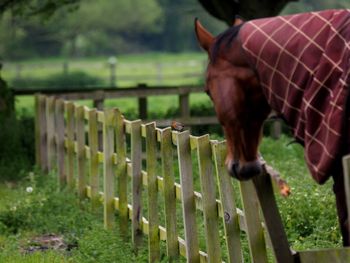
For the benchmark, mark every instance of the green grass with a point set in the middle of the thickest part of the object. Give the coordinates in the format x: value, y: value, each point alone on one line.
x: 130, y: 69
x: 308, y: 214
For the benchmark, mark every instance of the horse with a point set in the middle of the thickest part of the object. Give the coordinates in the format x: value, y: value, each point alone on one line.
x: 296, y: 66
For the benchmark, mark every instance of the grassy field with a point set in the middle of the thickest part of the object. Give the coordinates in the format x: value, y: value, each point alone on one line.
x: 308, y: 214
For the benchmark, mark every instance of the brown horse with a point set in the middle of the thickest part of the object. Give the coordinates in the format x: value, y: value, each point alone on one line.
x: 296, y: 65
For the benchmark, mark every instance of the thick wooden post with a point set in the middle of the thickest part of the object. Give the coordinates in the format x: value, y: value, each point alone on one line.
x: 108, y: 167
x: 37, y: 130
x: 230, y: 216
x: 60, y: 142
x: 346, y: 169
x: 80, y: 131
x: 93, y: 145
x: 187, y: 196
x: 136, y: 158
x: 169, y: 193
x: 272, y: 218
x: 210, y: 210
x: 43, y: 134
x: 143, y: 106
x: 184, y: 101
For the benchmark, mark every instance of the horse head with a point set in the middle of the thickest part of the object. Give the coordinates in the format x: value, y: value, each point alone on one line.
x: 238, y: 99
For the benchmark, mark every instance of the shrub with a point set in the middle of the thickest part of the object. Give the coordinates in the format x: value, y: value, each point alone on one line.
x: 76, y: 79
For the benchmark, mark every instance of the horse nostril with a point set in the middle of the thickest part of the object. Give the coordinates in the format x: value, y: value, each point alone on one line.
x: 246, y: 171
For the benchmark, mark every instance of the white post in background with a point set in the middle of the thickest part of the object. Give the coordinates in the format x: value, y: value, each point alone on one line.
x: 112, y: 61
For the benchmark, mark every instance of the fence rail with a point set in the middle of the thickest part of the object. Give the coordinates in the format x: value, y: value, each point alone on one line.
x: 66, y: 140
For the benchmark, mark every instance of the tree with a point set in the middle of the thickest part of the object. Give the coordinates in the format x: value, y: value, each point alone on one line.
x: 43, y: 8
x: 226, y: 10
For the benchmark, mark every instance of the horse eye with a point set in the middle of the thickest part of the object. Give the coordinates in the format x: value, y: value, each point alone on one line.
x: 208, y: 92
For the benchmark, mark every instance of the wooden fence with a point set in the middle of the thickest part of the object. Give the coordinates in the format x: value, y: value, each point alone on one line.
x: 148, y: 172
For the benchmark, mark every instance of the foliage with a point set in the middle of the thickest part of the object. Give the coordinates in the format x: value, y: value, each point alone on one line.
x: 77, y: 79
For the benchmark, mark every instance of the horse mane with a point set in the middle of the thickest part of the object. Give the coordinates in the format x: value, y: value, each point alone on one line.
x: 225, y: 38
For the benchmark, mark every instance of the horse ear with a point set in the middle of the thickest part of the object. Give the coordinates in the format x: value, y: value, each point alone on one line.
x: 238, y: 21
x: 205, y: 39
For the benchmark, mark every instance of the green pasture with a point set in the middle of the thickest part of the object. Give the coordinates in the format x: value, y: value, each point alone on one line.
x: 152, y: 68
x: 308, y: 215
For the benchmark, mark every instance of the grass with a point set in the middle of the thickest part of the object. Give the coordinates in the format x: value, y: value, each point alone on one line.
x: 308, y: 214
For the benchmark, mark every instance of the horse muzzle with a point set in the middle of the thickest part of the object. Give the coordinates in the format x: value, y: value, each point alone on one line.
x: 245, y: 171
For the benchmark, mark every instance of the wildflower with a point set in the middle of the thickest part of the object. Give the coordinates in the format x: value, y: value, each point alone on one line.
x: 29, y: 189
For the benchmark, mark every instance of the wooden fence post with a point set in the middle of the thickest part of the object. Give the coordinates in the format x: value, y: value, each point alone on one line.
x: 43, y: 134
x: 184, y: 101
x: 142, y: 103
x: 230, y: 216
x: 37, y: 129
x: 169, y: 193
x: 93, y: 167
x: 136, y: 159
x: 70, y: 139
x: 80, y: 132
x: 187, y: 194
x: 50, y: 120
x: 346, y: 169
x: 151, y: 163
x: 210, y: 210
x: 121, y: 173
x: 59, y: 112
x: 272, y: 218
x: 108, y: 169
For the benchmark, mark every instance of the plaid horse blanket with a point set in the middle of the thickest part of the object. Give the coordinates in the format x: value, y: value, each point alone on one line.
x: 303, y: 64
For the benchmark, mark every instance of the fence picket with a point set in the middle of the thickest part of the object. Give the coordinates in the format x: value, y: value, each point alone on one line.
x: 80, y: 132
x: 59, y: 112
x: 187, y: 195
x: 230, y: 216
x: 108, y: 165
x: 136, y: 158
x: 151, y: 162
x: 210, y: 209
x: 70, y: 137
x: 255, y: 231
x: 93, y: 167
x: 169, y: 193
x: 121, y: 173
x: 43, y: 133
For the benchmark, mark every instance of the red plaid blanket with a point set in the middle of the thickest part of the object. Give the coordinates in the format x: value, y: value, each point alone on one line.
x: 303, y: 64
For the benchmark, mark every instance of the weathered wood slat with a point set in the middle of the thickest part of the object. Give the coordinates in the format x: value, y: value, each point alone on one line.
x: 188, y: 200
x: 230, y: 215
x: 272, y: 218
x: 121, y: 172
x: 136, y: 152
x: 255, y: 232
x: 169, y: 193
x: 94, y: 162
x: 210, y: 211
x: 50, y: 126
x: 60, y: 126
x: 70, y: 138
x: 108, y: 167
x: 151, y: 163
x: 80, y: 132
x: 334, y: 255
x: 43, y: 133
